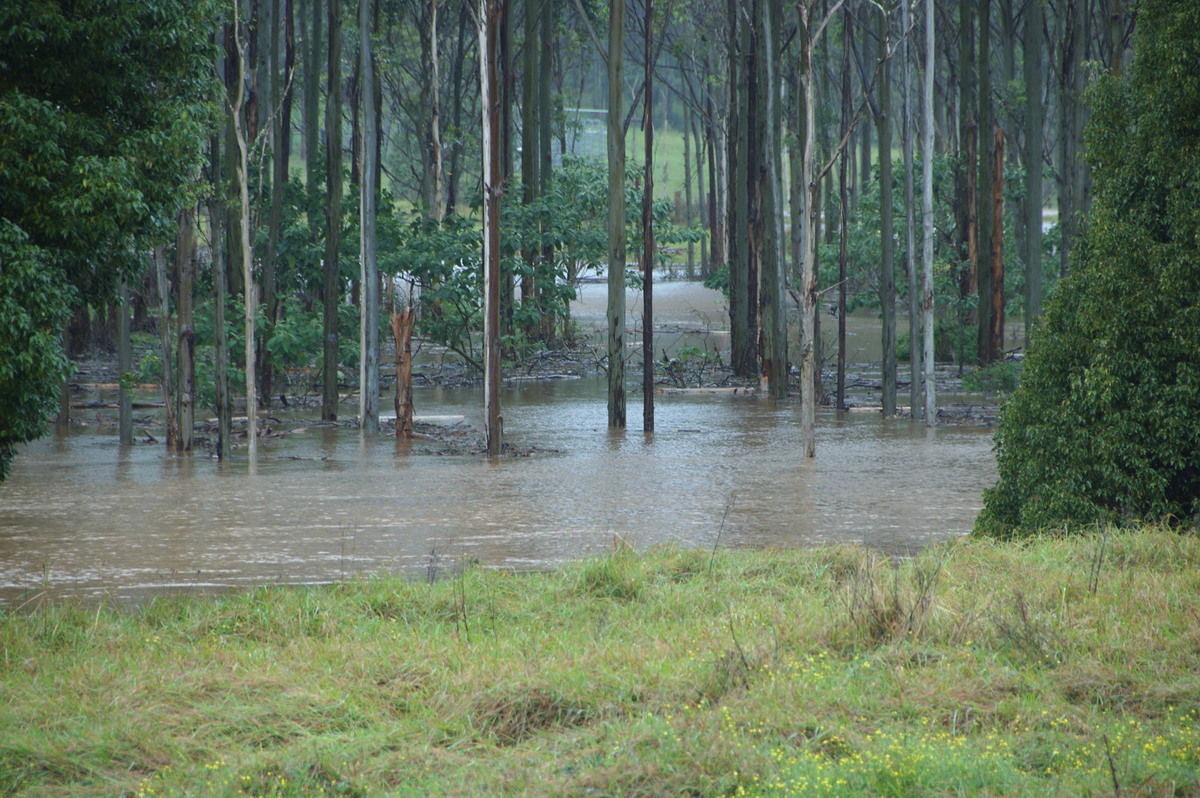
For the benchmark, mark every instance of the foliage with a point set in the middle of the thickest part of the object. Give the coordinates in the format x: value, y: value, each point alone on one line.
x: 102, y: 111
x: 34, y: 306
x: 1003, y: 376
x: 826, y: 672
x: 1103, y: 425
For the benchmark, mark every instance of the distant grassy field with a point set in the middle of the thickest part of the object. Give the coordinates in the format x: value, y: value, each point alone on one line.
x: 1057, y: 667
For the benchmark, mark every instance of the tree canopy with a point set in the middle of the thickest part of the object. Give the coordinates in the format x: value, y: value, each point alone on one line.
x: 103, y: 105
x: 1103, y: 426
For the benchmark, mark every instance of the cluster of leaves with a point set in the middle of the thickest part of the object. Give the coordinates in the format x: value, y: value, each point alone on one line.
x: 102, y: 109
x: 1103, y: 426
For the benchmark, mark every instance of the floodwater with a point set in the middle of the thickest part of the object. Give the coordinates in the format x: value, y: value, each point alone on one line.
x: 82, y: 516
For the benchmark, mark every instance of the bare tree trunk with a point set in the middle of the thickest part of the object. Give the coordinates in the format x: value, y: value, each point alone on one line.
x: 247, y: 255
x: 808, y: 279
x: 915, y: 343
x: 185, y: 248
x: 402, y: 326
x: 437, y: 190
x: 1033, y: 164
x: 368, y: 395
x: 887, y: 281
x: 771, y: 271
x: 844, y: 207
x: 164, y: 338
x: 927, y: 304
x: 333, y: 217
x: 217, y: 216
x: 648, y: 228
x: 616, y: 216
x: 124, y: 367
x: 984, y: 194
x: 996, y: 333
x: 489, y: 34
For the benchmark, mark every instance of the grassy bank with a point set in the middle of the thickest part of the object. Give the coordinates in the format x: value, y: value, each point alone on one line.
x: 1062, y: 667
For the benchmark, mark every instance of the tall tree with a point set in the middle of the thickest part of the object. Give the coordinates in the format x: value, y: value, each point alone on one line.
x: 331, y: 294
x: 927, y: 154
x: 985, y: 185
x: 887, y: 265
x: 648, y: 224
x: 489, y: 35
x: 1034, y: 20
x: 237, y: 114
x: 616, y: 215
x: 771, y: 270
x: 368, y: 402
x: 910, y: 219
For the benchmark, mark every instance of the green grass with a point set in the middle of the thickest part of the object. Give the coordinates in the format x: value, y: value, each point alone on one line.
x: 1064, y: 666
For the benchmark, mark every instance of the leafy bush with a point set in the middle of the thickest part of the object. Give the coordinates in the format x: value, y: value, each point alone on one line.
x: 1103, y: 426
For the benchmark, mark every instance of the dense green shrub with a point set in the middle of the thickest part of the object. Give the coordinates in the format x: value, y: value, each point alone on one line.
x: 1104, y: 426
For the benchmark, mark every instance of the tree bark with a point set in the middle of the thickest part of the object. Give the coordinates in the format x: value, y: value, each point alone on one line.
x: 844, y: 207
x: 124, y: 368
x: 402, y: 326
x: 996, y: 346
x: 771, y: 270
x: 985, y: 185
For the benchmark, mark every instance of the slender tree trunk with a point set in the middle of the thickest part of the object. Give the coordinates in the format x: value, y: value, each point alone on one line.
x: 531, y: 161
x: 996, y: 333
x: 686, y: 220
x: 186, y: 269
x: 984, y: 194
x: 332, y: 293
x: 217, y: 215
x: 313, y: 57
x: 164, y: 339
x: 771, y: 271
x: 927, y: 304
x: 246, y: 252
x: 887, y: 277
x: 616, y: 216
x: 368, y: 396
x: 648, y: 227
x: 1033, y: 164
x: 915, y: 342
x: 489, y: 34
x: 844, y: 158
x: 437, y: 166
x: 737, y: 212
x: 124, y: 367
x: 808, y: 278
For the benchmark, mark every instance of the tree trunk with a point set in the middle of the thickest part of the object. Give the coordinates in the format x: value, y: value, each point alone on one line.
x: 1033, y: 164
x: 996, y: 333
x: 887, y: 276
x: 185, y: 248
x: 402, y: 326
x: 217, y: 215
x: 927, y: 304
x: 737, y: 212
x: 771, y: 270
x: 648, y: 227
x: 808, y: 277
x: 616, y: 216
x: 985, y: 185
x: 489, y: 24
x: 368, y: 394
x: 164, y: 339
x: 332, y: 294
x: 915, y: 342
x: 844, y: 207
x: 124, y: 368
x: 247, y: 258
x: 313, y: 57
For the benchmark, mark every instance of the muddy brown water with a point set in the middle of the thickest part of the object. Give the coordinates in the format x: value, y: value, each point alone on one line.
x: 82, y: 516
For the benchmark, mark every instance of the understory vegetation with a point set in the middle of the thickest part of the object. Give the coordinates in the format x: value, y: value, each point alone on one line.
x: 669, y: 672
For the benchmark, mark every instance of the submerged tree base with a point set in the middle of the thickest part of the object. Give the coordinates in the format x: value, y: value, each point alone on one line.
x: 674, y: 671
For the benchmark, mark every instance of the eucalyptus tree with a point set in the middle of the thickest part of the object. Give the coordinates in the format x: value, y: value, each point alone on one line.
x: 331, y: 294
x: 1034, y: 21
x: 616, y: 215
x: 927, y: 154
x: 887, y: 248
x: 368, y: 393
x: 489, y: 34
